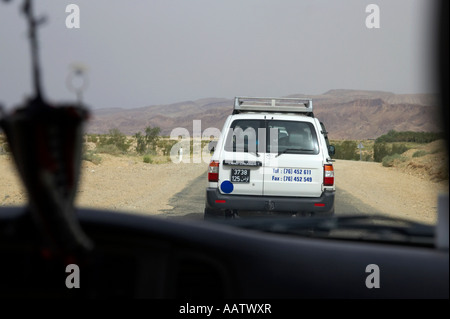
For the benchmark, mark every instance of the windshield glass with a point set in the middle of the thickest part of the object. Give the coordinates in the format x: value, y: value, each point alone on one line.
x: 164, y: 137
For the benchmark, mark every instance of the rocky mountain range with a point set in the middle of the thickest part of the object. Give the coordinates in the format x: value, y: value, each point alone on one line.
x: 347, y: 114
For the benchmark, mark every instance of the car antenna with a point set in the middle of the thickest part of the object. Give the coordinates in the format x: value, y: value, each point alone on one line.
x: 46, y: 141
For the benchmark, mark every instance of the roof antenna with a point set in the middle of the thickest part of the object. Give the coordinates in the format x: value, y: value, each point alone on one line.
x: 46, y: 141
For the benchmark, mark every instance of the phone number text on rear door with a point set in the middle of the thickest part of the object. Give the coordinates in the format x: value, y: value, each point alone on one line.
x: 291, y: 175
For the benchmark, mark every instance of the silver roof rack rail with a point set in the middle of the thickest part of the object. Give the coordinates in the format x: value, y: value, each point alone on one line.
x: 271, y: 104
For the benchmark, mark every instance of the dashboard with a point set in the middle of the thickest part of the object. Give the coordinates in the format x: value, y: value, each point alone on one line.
x: 146, y: 257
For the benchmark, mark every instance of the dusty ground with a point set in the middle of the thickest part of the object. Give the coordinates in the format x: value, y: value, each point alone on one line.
x: 117, y: 183
x: 126, y: 183
x: 122, y: 183
x: 390, y: 190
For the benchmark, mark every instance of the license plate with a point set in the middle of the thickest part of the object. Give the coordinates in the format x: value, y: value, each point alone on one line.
x: 240, y: 175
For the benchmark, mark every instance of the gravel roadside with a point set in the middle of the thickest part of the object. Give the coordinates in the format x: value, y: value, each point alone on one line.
x: 389, y: 190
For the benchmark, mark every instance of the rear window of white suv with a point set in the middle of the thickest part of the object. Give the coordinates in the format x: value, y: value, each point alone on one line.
x: 245, y: 136
x: 296, y: 137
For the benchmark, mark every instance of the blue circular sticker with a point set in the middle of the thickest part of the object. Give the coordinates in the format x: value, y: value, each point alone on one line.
x: 226, y: 187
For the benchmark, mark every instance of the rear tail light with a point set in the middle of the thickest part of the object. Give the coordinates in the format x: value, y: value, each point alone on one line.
x: 328, y: 176
x: 213, y: 171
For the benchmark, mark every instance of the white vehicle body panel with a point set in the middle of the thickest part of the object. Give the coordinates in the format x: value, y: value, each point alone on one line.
x: 271, y: 174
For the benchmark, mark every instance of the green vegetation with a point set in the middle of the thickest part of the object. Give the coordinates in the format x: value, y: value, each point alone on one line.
x: 381, y: 150
x: 388, y: 161
x: 203, y: 143
x: 420, y: 153
x: 4, y: 146
x: 165, y: 145
x: 114, y: 143
x: 153, y: 148
x: 346, y: 150
x: 399, y: 148
x: 92, y: 156
x: 386, y: 145
x: 399, y: 142
x: 92, y: 138
x: 158, y: 159
x: 109, y: 149
x: 148, y: 159
x: 156, y: 149
x: 148, y: 142
x: 408, y: 136
x: 390, y: 149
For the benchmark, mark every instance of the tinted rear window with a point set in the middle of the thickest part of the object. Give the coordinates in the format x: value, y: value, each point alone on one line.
x: 292, y: 135
x: 250, y: 136
x: 245, y: 136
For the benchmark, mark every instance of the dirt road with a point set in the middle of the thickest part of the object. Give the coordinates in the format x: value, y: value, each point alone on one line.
x: 389, y: 190
x: 190, y: 202
x: 128, y: 184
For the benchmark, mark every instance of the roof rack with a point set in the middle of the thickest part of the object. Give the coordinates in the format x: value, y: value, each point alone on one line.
x: 271, y: 104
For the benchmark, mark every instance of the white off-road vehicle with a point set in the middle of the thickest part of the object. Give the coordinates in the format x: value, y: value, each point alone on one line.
x: 273, y: 157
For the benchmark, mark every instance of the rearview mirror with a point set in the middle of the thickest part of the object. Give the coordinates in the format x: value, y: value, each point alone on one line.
x: 331, y: 150
x: 212, y: 146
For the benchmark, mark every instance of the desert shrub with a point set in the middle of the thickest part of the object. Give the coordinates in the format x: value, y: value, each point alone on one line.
x: 346, y: 150
x: 92, y: 138
x: 141, y: 146
x: 166, y: 145
x: 148, y: 159
x: 109, y: 149
x: 398, y: 149
x: 4, y: 146
x: 92, y: 156
x: 367, y: 158
x: 147, y: 142
x: 388, y: 161
x: 152, y: 136
x: 380, y: 150
x: 420, y: 153
x: 409, y: 136
x: 160, y: 159
x: 113, y: 142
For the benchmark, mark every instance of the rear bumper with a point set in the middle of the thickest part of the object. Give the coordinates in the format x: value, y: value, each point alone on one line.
x: 323, y: 205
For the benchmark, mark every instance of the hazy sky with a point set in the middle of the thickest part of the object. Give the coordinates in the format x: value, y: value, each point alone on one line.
x: 140, y: 53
